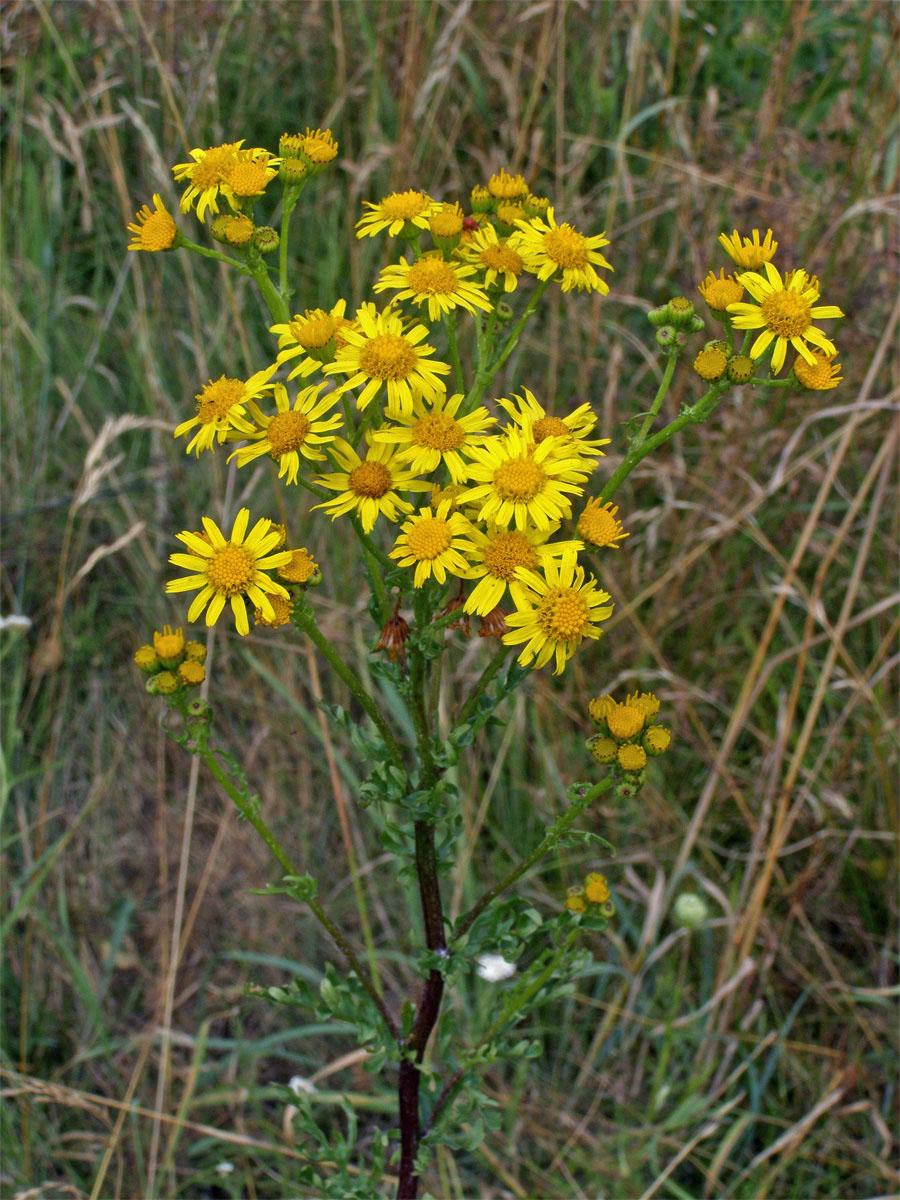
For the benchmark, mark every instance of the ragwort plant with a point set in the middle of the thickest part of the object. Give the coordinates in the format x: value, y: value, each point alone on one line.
x: 462, y: 506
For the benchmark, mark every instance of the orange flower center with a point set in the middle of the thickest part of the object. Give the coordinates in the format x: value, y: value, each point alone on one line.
x: 562, y: 614
x: 301, y: 567
x: 438, y: 431
x: 786, y: 313
x: 212, y: 168
x: 507, y: 551
x: 157, y: 231
x: 501, y: 258
x: 429, y: 538
x: 287, y: 431
x: 447, y: 222
x: 551, y: 427
x: 566, y: 247
x: 403, y: 206
x: 519, y: 480
x: 432, y: 277
x: 231, y: 569
x: 624, y: 721
x: 248, y: 178
x: 387, y: 356
x: 370, y: 479
x: 217, y: 399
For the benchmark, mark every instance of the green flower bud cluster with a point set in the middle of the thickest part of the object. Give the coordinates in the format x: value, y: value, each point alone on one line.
x: 674, y: 322
x: 627, y: 736
x: 172, y: 665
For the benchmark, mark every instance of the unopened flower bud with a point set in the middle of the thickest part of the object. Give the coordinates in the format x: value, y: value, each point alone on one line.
x: 740, y: 368
x: 666, y: 336
x: 266, y: 239
x: 690, y: 910
x: 680, y: 311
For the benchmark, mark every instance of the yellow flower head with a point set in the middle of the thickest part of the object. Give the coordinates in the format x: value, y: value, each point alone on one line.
x: 432, y: 281
x: 221, y: 406
x: 624, y: 721
x: 596, y: 888
x: 435, y: 543
x: 570, y: 431
x: 316, y: 146
x: 168, y: 644
x: 711, y: 364
x: 314, y: 336
x: 295, y: 429
x: 600, y: 708
x: 600, y: 526
x: 504, y: 186
x: 369, y: 486
x: 301, y: 568
x: 631, y: 757
x: 409, y: 210
x: 380, y: 353
x: 446, y: 222
x: 250, y: 172
x: 433, y: 433
x: 554, y: 613
x: 785, y: 312
x: 720, y: 292
x: 281, y: 613
x: 820, y: 375
x: 749, y: 253
x: 501, y: 261
x: 644, y: 702
x: 515, y: 481
x: 207, y: 175
x: 550, y: 250
x: 153, y: 230
x: 497, y: 555
x: 191, y: 673
x: 230, y: 569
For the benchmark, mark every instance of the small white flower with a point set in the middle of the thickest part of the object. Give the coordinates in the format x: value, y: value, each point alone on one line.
x: 494, y: 967
x: 224, y: 1168
x: 298, y: 1084
x: 16, y: 622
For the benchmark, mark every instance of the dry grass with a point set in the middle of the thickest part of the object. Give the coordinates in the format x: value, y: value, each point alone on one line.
x: 756, y: 595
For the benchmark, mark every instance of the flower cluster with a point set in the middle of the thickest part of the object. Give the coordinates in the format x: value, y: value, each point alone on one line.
x: 627, y: 736
x: 591, y: 897
x: 783, y: 307
x: 172, y: 665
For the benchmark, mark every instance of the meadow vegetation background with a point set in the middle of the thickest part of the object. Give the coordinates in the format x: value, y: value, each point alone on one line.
x: 755, y: 596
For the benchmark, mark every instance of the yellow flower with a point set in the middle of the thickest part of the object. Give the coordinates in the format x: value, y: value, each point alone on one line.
x: 441, y: 285
x: 499, y: 553
x: 747, y: 252
x: 295, y: 429
x: 516, y: 481
x: 720, y: 292
x: 645, y: 702
x: 432, y: 434
x: 554, y: 613
x: 220, y: 405
x: 207, y: 176
x: 316, y: 146
x: 446, y: 224
x: 785, y: 313
x: 501, y: 261
x: 396, y: 212
x: 152, y: 230
x: 369, y: 486
x: 435, y: 542
x: 380, y: 352
x: 301, y: 568
x: 168, y: 644
x: 821, y: 375
x: 316, y: 333
x: 631, y: 757
x: 504, y: 186
x: 548, y: 248
x: 599, y: 525
x: 230, y: 569
x: 572, y: 430
x: 250, y: 172
x: 711, y: 364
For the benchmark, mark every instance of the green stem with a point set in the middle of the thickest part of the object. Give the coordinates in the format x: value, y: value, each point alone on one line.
x: 288, y: 204
x: 510, y: 344
x: 274, y: 300
x: 657, y: 401
x: 216, y: 254
x: 369, y: 554
x: 450, y: 323
x: 483, y: 680
x: 248, y: 810
x: 554, y: 833
x: 689, y: 416
x: 305, y: 620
